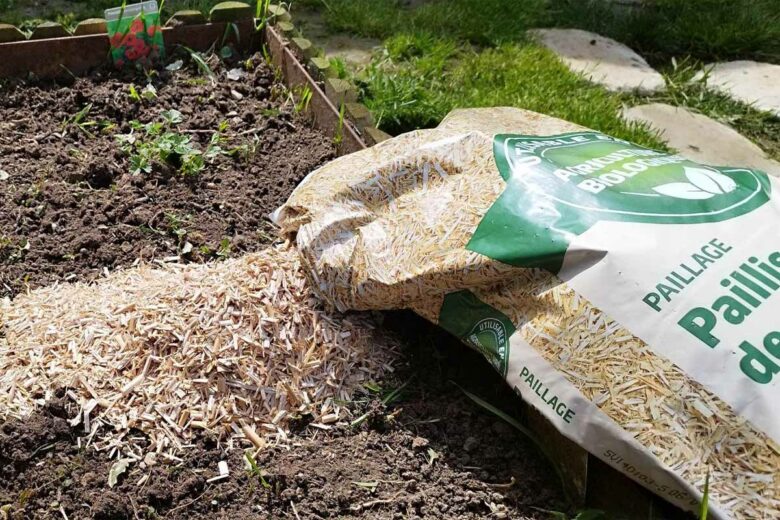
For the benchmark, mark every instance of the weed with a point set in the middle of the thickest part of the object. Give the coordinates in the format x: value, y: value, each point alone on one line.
x: 149, y: 92
x: 704, y: 508
x: 223, y: 251
x: 585, y: 514
x: 202, y: 65
x: 338, y: 136
x: 176, y: 226
x: 303, y: 95
x: 519, y: 427
x: 262, y: 15
x: 68, y: 21
x: 387, y: 397
x: 133, y: 93
x: 254, y: 470
x: 79, y: 120
x: 24, y: 496
x: 339, y: 66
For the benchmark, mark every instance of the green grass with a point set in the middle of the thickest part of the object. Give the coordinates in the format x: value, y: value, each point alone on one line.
x: 459, y: 53
x: 705, y: 29
x: 710, y: 30
x: 422, y: 77
x: 487, y: 22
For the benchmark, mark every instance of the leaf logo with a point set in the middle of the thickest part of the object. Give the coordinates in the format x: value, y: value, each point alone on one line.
x: 704, y: 184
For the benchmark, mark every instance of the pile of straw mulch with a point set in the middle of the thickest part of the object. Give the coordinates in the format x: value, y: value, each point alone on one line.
x: 235, y: 348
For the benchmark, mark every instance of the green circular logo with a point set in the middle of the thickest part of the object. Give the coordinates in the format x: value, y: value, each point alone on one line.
x: 609, y: 179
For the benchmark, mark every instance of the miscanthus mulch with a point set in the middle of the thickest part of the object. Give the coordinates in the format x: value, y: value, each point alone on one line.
x: 235, y: 348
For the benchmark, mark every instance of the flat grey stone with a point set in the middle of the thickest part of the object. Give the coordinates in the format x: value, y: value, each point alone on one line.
x: 354, y: 50
x: 602, y: 60
x: 751, y: 82
x: 701, y: 139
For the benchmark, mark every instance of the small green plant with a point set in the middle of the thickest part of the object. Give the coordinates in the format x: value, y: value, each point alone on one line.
x: 202, y: 65
x: 519, y: 427
x: 262, y: 14
x: 338, y: 64
x: 339, y: 135
x: 133, y: 93
x: 223, y: 251
x: 80, y: 121
x: 176, y: 225
x: 157, y: 141
x: 387, y: 397
x: 11, y: 250
x: 704, y: 508
x: 254, y: 470
x: 301, y: 98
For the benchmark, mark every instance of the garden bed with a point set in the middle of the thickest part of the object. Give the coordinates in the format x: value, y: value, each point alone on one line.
x: 72, y: 207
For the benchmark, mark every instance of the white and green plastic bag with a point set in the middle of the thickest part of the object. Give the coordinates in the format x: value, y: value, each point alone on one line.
x: 630, y: 295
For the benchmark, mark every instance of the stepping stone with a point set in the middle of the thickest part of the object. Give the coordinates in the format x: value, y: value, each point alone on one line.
x: 602, y: 60
x: 354, y: 50
x: 748, y: 81
x: 701, y: 139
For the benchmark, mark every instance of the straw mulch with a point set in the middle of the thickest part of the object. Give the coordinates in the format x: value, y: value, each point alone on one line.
x: 235, y: 348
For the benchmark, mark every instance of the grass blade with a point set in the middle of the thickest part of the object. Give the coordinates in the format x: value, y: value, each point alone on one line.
x: 704, y: 508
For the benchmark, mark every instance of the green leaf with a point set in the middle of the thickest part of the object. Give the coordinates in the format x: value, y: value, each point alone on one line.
x: 172, y: 116
x: 134, y: 93
x: 705, y: 499
x: 149, y: 92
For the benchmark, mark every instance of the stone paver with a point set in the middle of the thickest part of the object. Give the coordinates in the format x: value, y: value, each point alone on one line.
x: 354, y: 50
x: 751, y: 82
x: 702, y: 139
x: 602, y: 60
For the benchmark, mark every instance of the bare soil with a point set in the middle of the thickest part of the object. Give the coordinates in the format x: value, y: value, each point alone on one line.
x: 70, y: 208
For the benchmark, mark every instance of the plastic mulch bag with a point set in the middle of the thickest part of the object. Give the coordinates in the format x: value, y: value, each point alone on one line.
x: 629, y: 295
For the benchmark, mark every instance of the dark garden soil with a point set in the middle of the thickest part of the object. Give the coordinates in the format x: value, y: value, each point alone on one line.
x: 70, y: 208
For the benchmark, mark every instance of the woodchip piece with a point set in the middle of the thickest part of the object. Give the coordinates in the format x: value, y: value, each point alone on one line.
x: 387, y: 228
x: 236, y: 348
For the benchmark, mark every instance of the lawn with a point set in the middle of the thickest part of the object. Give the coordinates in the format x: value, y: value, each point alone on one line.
x: 442, y: 55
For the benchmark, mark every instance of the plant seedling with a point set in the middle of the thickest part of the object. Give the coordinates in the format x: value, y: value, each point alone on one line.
x: 304, y: 98
x: 79, y: 120
x: 339, y: 136
x: 254, y: 470
x: 224, y: 248
x: 157, y: 141
x: 200, y: 62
